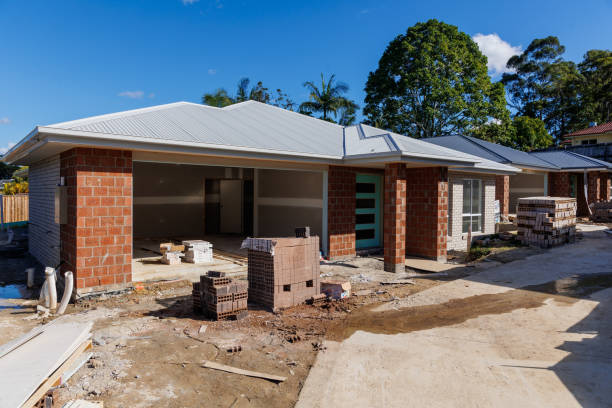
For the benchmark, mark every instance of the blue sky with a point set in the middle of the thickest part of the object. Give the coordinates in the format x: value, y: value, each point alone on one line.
x: 63, y: 60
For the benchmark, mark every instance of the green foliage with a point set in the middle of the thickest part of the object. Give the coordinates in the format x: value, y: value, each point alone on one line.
x: 259, y: 93
x: 7, y: 170
x: 530, y: 134
x: 596, y: 88
x: 328, y: 100
x: 432, y: 81
x: 477, y: 252
x: 18, y: 186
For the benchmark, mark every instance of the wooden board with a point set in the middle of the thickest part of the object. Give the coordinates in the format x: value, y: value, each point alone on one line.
x: 234, y: 370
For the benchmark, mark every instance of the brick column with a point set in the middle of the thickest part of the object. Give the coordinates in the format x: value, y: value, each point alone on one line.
x: 96, y: 242
x: 341, y: 211
x: 559, y: 184
x: 605, y: 186
x: 427, y: 212
x: 593, y: 186
x: 394, y: 217
x: 502, y: 194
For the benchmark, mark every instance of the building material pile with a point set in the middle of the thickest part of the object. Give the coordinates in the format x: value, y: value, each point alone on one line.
x: 602, y: 211
x: 198, y: 251
x: 219, y: 297
x: 546, y: 221
x: 283, y: 272
x: 41, y: 359
x: 171, y: 254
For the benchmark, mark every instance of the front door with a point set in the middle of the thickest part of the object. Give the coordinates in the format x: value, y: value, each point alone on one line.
x: 368, y: 211
x: 230, y: 200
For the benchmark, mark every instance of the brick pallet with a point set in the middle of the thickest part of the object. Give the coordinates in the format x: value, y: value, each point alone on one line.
x: 283, y: 272
x: 602, y: 211
x: 219, y: 297
x: 198, y: 251
x: 546, y: 221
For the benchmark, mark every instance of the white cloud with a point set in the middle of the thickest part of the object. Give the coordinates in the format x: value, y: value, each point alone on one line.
x: 189, y: 2
x: 132, y: 94
x: 212, y: 71
x: 3, y: 150
x: 498, y: 52
x: 5, y: 121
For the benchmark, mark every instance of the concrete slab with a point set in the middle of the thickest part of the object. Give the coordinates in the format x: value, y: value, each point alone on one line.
x: 553, y: 351
x: 428, y: 265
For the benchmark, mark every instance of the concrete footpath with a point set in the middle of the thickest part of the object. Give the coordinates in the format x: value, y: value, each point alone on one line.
x: 530, y: 333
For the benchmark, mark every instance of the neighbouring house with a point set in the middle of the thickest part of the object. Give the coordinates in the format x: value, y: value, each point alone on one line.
x: 189, y: 170
x: 594, y: 134
x: 557, y: 173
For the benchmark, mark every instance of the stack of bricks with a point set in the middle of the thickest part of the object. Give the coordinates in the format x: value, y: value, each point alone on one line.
x: 171, y: 254
x: 198, y: 251
x: 283, y: 272
x: 546, y: 221
x: 219, y: 297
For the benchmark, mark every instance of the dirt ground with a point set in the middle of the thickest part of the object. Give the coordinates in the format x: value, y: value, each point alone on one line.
x: 149, y: 345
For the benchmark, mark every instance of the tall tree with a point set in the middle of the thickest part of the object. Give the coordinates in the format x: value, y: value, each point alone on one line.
x: 596, y: 88
x: 542, y: 85
x: 327, y: 100
x: 530, y: 134
x: 432, y: 81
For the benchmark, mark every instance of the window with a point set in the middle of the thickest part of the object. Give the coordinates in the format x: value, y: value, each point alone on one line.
x: 472, y: 203
x: 573, y: 185
x: 588, y: 142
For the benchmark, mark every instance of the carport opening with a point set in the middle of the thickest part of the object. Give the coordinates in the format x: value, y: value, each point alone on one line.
x: 222, y: 205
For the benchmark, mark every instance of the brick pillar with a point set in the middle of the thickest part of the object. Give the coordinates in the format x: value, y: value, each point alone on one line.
x: 96, y: 242
x: 502, y: 193
x: 605, y: 186
x: 341, y: 211
x: 593, y: 186
x: 394, y: 217
x: 559, y: 184
x: 427, y: 212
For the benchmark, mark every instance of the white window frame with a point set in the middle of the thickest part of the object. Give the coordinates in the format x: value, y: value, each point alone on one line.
x: 472, y: 214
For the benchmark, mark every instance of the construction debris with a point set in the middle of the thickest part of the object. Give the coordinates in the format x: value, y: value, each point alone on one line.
x: 41, y: 359
x: 171, y: 257
x: 230, y: 369
x: 546, y: 221
x: 83, y: 404
x: 282, y: 272
x: 336, y: 289
x: 198, y: 251
x: 602, y: 211
x: 219, y: 297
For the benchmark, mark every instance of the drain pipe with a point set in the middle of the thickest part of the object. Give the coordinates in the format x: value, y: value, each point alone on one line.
x: 30, y: 277
x: 67, y: 293
x: 51, y: 290
x: 586, y: 192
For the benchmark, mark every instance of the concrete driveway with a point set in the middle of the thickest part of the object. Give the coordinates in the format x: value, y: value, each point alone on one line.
x: 531, y: 333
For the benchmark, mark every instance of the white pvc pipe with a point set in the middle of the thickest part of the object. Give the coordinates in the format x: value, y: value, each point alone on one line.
x: 52, y: 290
x: 43, y: 294
x: 30, y: 277
x: 67, y: 293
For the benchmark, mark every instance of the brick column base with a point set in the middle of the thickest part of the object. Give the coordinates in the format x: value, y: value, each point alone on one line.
x: 594, y: 186
x: 96, y: 242
x: 427, y: 212
x: 394, y: 218
x: 605, y: 186
x: 559, y: 184
x: 502, y: 194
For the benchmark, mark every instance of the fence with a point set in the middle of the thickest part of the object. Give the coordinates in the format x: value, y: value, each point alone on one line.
x: 13, y: 208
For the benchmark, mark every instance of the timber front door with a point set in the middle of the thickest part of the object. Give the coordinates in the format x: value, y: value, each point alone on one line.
x: 368, y: 211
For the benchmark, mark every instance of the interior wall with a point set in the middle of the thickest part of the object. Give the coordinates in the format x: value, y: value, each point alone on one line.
x: 286, y: 199
x: 169, y: 199
x: 525, y: 185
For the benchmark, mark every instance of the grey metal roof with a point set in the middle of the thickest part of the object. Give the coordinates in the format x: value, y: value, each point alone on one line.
x: 490, y: 151
x: 248, y: 124
x: 567, y: 160
x: 253, y: 128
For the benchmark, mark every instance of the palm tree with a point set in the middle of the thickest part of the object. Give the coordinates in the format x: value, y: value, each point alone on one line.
x: 219, y: 98
x: 328, y: 99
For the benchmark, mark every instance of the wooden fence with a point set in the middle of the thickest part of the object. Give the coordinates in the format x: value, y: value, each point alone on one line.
x: 14, y: 208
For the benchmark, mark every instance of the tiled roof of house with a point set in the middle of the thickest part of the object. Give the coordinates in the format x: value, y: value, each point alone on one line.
x: 593, y: 130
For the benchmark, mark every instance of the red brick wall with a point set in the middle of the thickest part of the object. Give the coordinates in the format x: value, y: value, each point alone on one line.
x: 594, y: 185
x: 427, y: 212
x: 341, y: 211
x: 96, y: 242
x: 394, y: 217
x: 502, y: 193
x: 559, y: 184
